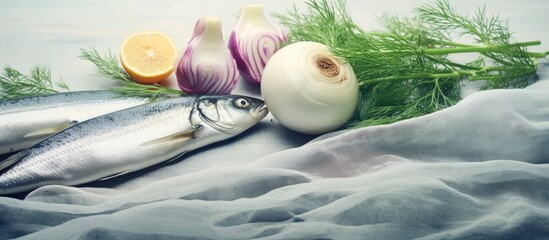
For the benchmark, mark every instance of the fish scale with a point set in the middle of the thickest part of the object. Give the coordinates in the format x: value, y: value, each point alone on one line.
x: 129, y: 140
x: 98, y: 131
x: 26, y: 121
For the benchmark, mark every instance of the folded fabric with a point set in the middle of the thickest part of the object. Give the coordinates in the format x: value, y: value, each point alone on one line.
x: 477, y: 170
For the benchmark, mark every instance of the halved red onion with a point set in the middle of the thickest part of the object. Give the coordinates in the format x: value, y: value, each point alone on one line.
x: 253, y: 41
x: 207, y: 66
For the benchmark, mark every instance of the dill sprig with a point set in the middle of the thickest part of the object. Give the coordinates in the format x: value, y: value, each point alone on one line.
x: 14, y: 84
x: 107, y: 67
x: 404, y: 70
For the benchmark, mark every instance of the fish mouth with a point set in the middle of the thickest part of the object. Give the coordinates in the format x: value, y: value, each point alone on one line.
x: 260, y: 111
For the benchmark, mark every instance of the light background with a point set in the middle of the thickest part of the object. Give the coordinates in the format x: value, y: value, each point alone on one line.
x: 52, y: 32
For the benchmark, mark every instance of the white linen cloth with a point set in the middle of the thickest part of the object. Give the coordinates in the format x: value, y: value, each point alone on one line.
x: 478, y: 170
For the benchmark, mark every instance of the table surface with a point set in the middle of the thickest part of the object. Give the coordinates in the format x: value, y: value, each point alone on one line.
x: 52, y: 32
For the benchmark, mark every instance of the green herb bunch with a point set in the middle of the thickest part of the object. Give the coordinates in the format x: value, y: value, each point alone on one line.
x: 14, y: 84
x: 405, y: 71
x: 108, y: 67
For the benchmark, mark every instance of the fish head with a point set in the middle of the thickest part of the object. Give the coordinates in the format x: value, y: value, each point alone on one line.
x: 231, y: 114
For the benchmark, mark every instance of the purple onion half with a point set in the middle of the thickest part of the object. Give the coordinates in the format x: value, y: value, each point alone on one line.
x: 207, y: 66
x: 253, y: 41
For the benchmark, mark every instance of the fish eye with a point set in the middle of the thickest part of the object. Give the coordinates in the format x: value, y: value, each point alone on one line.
x: 242, y: 103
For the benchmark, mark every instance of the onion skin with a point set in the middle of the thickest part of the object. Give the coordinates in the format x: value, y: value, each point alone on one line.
x: 207, y: 66
x: 253, y: 41
x: 309, y: 90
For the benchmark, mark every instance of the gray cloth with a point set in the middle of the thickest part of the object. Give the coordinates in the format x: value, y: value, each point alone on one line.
x: 477, y: 170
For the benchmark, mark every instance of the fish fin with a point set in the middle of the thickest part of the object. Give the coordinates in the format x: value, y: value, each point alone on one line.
x: 13, y: 159
x: 183, y: 136
x: 114, y: 175
x: 44, y: 132
x: 176, y: 157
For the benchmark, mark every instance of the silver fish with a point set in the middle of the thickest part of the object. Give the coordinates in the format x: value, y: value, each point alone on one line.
x: 27, y: 121
x: 129, y: 140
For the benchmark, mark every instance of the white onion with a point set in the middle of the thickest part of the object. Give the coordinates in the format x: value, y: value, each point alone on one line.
x: 308, y: 89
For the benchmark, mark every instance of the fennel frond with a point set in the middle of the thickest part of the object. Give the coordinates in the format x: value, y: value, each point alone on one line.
x: 108, y: 67
x: 14, y: 84
x: 404, y: 70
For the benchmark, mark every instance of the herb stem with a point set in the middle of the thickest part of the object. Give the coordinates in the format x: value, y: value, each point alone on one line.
x: 466, y: 48
x: 456, y: 74
x: 409, y: 77
x: 524, y: 44
x: 478, y: 49
x: 538, y: 54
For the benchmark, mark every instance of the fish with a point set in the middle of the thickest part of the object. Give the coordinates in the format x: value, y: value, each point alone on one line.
x: 129, y: 140
x: 26, y: 121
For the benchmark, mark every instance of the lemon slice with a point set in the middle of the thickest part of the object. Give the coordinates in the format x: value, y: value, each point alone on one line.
x: 148, y: 57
